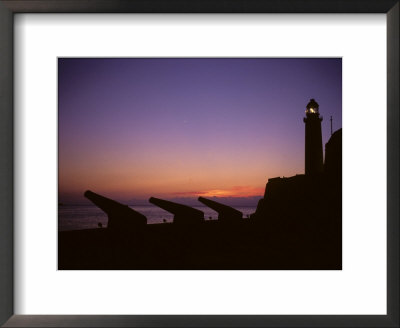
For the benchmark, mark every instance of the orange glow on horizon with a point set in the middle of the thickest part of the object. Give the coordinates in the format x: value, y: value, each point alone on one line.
x: 236, y: 191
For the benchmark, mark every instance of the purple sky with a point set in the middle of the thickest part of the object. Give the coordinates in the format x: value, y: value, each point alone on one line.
x: 131, y: 128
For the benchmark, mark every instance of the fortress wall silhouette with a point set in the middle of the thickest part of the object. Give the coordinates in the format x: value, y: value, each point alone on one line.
x: 312, y: 202
x: 333, y: 157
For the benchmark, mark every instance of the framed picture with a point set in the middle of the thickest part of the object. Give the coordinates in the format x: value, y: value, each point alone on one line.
x: 190, y: 90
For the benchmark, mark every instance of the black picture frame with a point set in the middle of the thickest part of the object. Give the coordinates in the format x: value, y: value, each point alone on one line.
x: 10, y: 7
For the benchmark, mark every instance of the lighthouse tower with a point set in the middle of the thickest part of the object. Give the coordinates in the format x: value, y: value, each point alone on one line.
x: 313, y: 158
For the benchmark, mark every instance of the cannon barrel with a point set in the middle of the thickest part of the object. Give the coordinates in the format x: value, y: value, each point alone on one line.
x: 182, y: 214
x: 225, y: 212
x: 120, y: 217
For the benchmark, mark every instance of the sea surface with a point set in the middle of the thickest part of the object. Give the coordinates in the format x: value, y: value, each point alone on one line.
x: 78, y: 217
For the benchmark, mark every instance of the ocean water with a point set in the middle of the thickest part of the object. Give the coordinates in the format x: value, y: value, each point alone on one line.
x: 78, y: 217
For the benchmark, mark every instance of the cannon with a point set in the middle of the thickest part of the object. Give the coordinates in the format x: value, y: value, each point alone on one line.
x: 120, y: 217
x: 225, y: 213
x: 182, y: 214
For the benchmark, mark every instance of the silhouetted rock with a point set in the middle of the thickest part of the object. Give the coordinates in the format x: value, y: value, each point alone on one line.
x: 307, y: 209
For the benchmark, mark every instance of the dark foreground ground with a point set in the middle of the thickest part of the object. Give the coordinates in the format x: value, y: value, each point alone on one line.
x: 211, y: 245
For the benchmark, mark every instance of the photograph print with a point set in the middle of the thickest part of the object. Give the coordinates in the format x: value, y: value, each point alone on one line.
x: 199, y: 163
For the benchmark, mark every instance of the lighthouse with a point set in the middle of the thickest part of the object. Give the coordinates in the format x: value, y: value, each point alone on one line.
x: 313, y: 156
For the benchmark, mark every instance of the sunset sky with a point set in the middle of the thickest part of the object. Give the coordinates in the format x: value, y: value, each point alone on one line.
x: 131, y: 128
